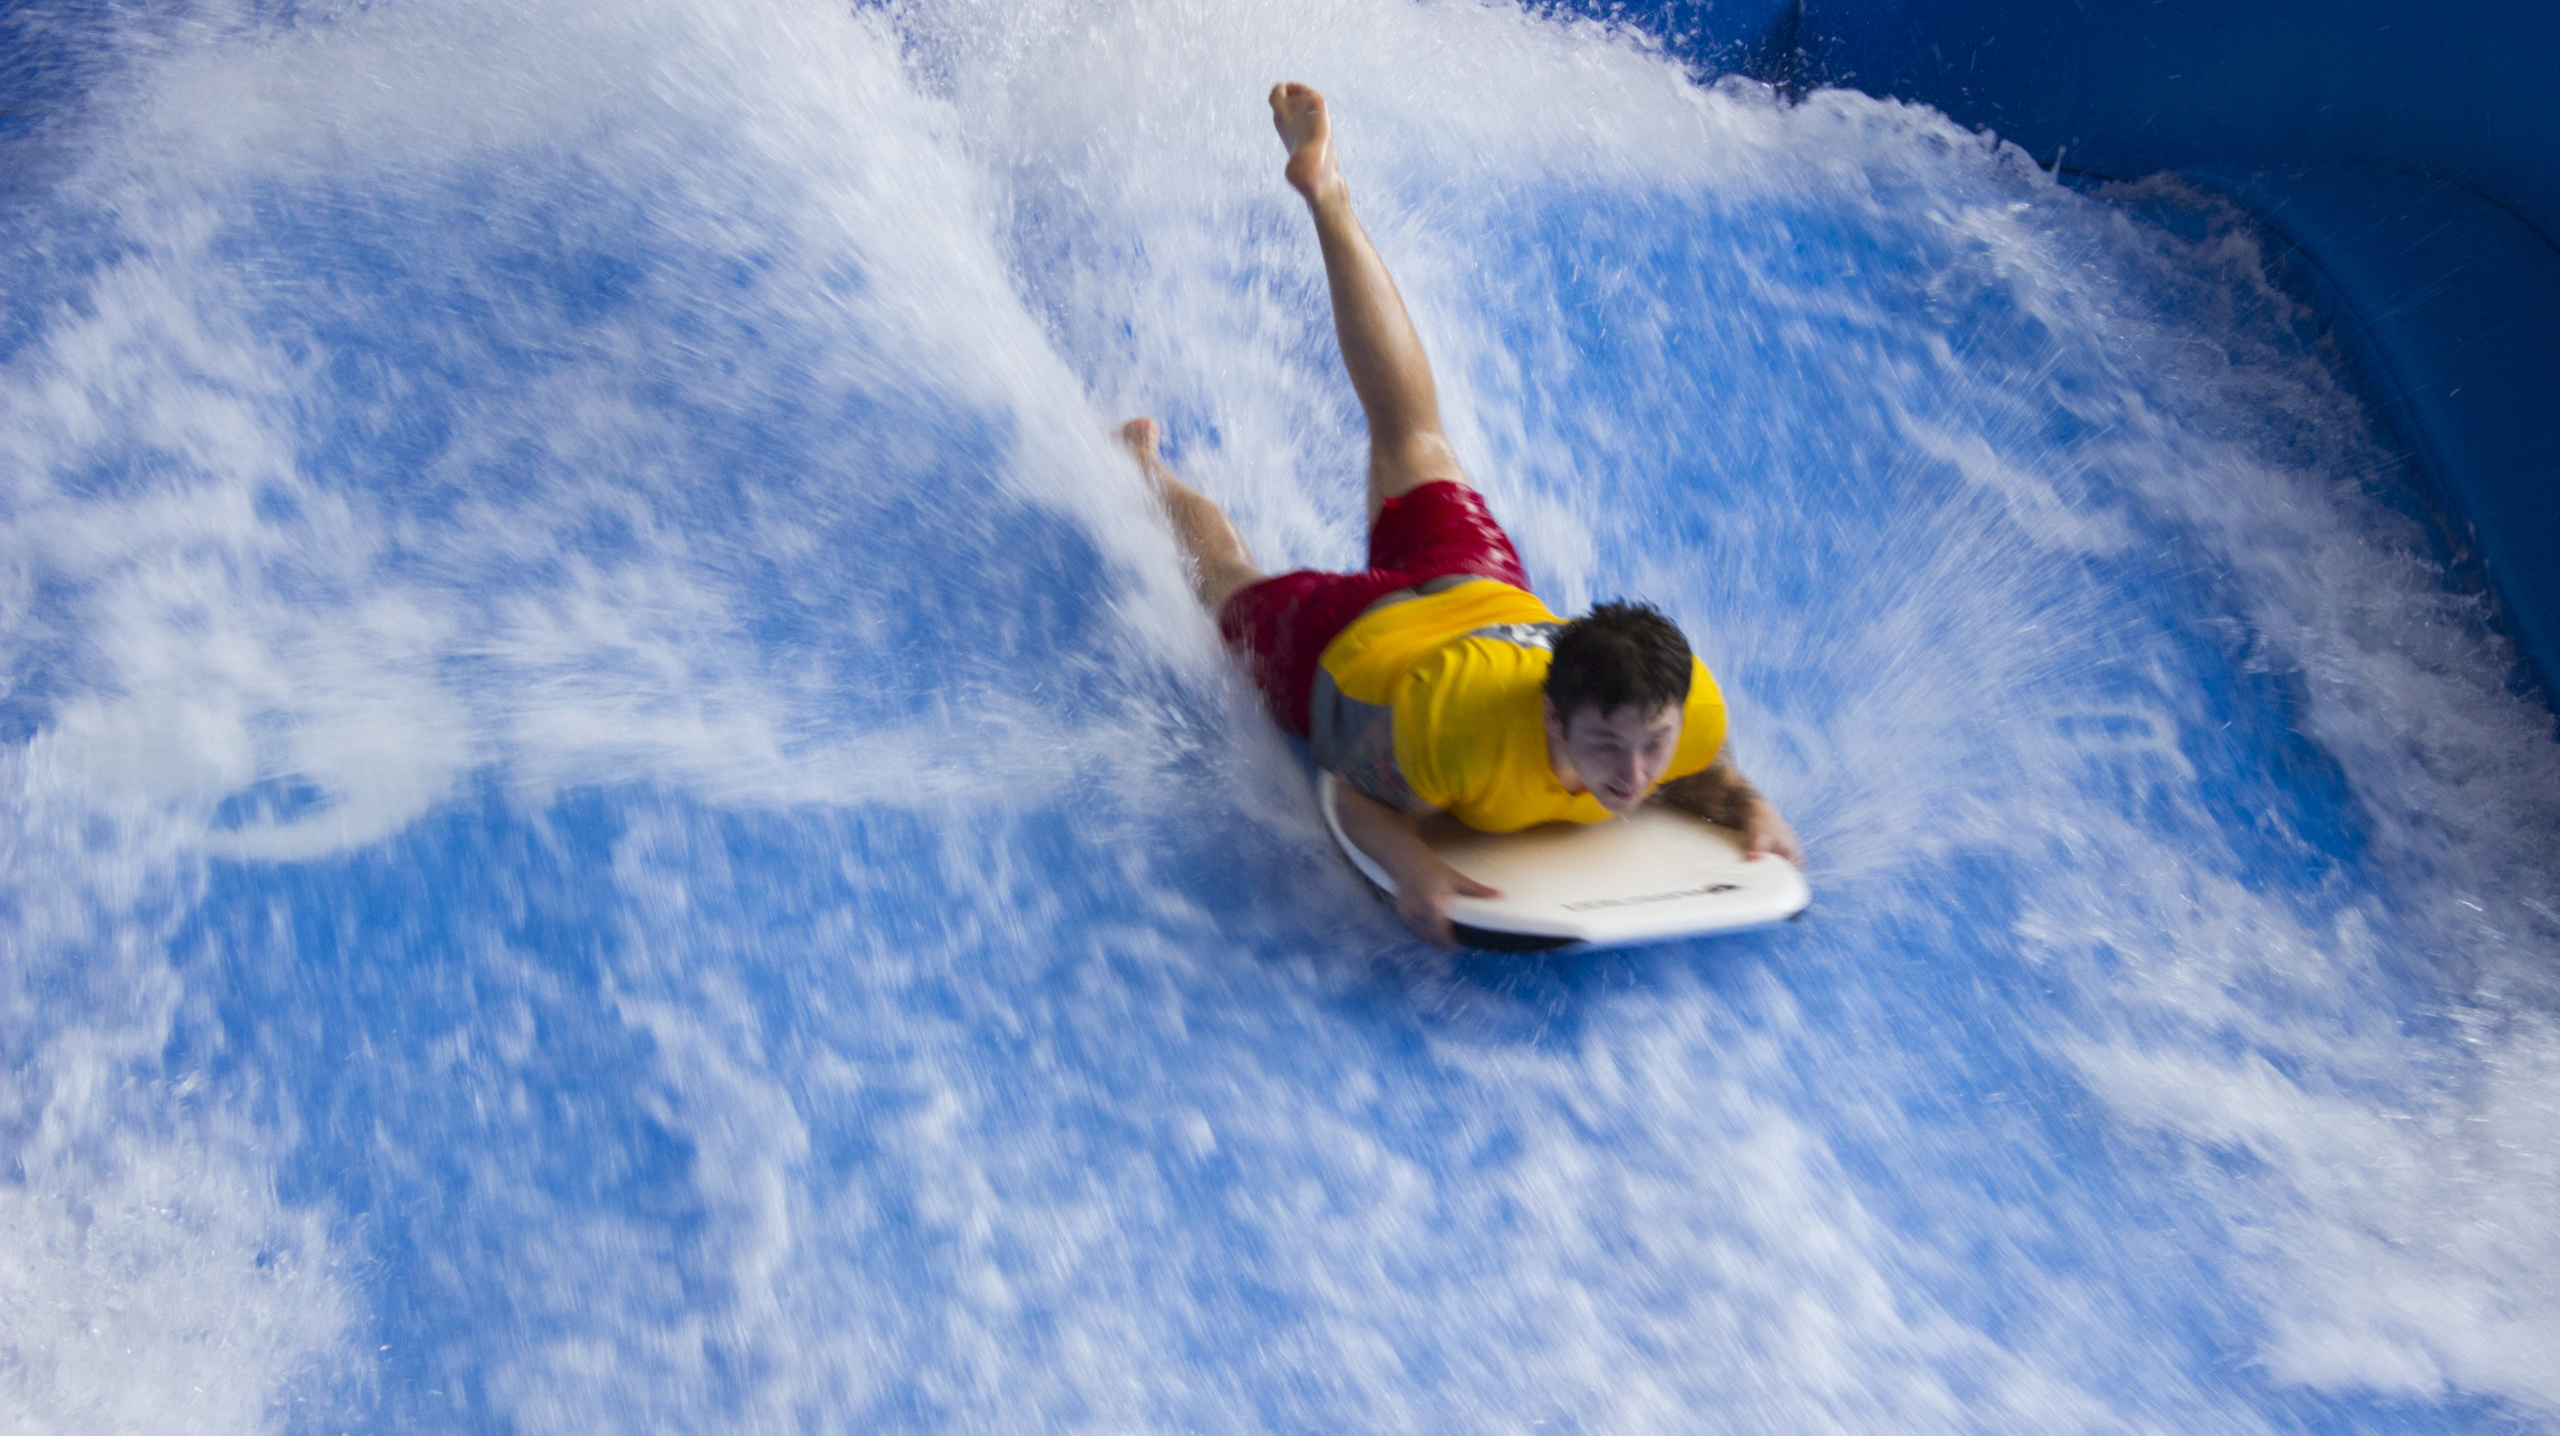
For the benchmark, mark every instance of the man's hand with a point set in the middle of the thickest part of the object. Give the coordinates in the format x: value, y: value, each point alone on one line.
x: 1726, y: 798
x: 1422, y: 900
x: 1766, y: 834
x: 1424, y: 884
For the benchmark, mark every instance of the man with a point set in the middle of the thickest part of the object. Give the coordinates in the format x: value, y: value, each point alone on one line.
x: 1434, y: 681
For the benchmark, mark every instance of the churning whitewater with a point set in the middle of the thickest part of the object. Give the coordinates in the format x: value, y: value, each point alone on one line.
x: 620, y: 820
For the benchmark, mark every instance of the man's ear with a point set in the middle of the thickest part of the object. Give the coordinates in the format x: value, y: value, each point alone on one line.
x: 1547, y: 706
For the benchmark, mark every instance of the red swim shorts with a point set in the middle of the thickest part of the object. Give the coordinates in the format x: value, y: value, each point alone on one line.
x: 1282, y: 624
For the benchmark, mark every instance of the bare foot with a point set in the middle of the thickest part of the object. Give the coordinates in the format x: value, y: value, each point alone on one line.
x: 1220, y: 563
x: 1139, y: 437
x: 1298, y: 113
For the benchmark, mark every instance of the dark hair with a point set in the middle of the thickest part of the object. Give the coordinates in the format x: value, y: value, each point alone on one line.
x: 1615, y: 655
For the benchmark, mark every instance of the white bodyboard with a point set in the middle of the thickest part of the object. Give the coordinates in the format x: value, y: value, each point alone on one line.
x: 1653, y: 875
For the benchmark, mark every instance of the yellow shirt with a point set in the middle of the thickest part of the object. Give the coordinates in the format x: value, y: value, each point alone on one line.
x: 1458, y: 679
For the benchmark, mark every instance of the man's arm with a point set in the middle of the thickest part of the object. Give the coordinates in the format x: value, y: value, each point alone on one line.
x: 1726, y: 798
x: 1424, y: 884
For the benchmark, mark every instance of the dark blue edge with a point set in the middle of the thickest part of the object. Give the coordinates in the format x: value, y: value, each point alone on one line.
x: 2445, y: 308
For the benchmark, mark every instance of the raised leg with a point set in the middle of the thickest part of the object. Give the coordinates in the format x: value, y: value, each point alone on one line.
x: 1220, y: 563
x: 1388, y: 368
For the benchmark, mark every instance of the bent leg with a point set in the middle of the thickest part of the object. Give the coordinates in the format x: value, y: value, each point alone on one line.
x: 1384, y: 355
x: 1220, y: 563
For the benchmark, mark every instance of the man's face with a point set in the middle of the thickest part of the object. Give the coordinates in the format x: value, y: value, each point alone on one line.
x: 1618, y: 754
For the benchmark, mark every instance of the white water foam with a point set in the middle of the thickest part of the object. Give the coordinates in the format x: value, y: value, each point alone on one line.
x: 150, y: 1279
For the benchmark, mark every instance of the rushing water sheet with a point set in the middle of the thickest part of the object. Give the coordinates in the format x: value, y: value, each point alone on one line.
x: 619, y: 818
